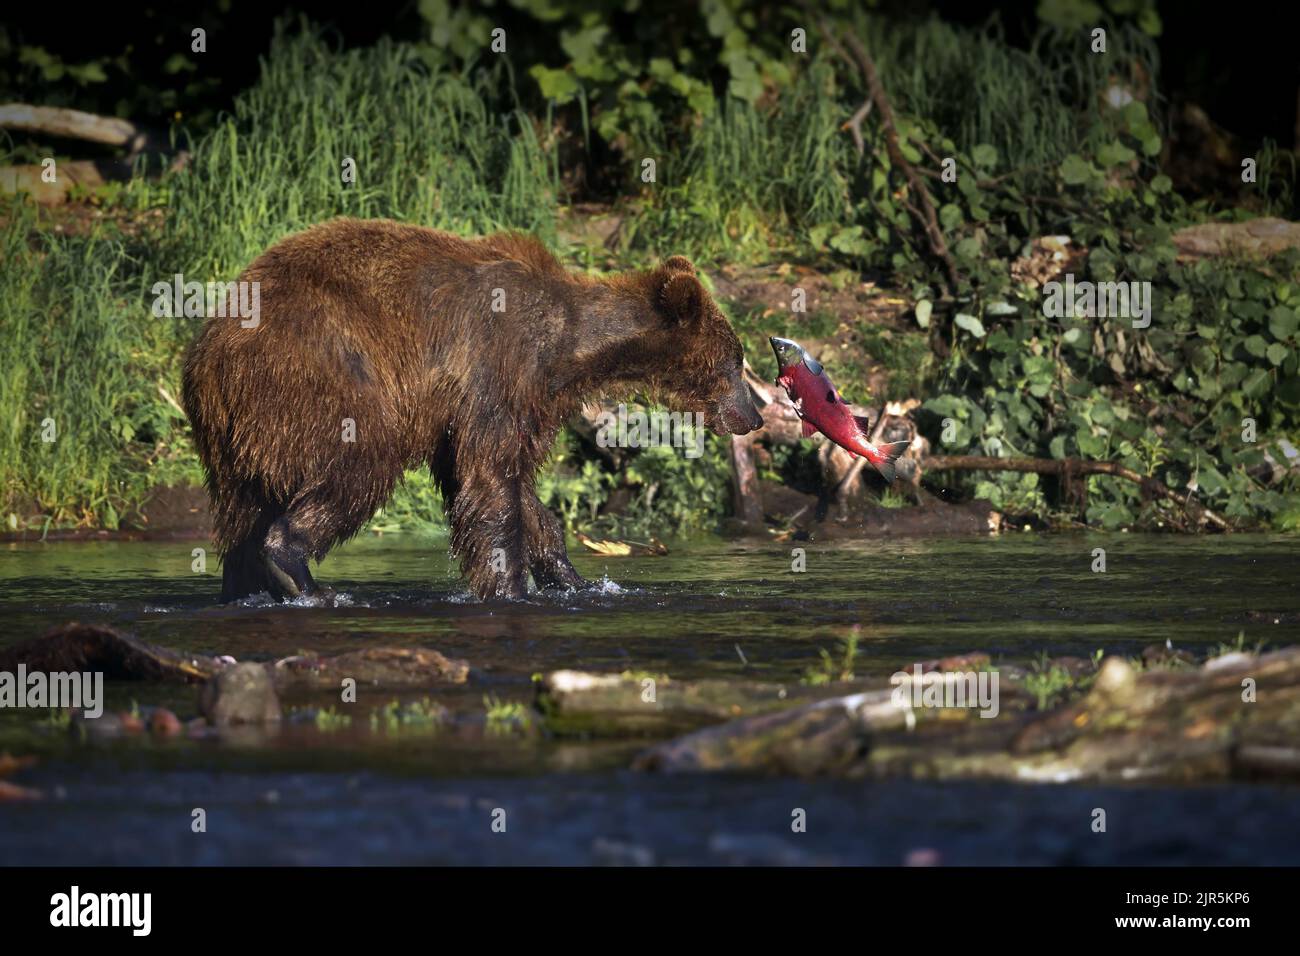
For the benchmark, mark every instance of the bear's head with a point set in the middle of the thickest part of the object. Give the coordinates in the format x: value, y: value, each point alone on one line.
x: 699, y: 358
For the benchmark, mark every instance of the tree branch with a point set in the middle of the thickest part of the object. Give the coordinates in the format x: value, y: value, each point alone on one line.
x: 1069, y: 467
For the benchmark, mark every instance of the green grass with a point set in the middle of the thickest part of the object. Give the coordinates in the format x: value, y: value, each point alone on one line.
x: 86, y: 365
x: 827, y: 670
x: 504, y: 717
x: 423, y: 715
x: 78, y: 341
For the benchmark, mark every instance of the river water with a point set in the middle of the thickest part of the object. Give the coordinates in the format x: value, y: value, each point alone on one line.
x: 322, y: 793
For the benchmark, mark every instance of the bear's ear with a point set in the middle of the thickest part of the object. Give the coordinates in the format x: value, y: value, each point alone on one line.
x: 679, y: 264
x: 682, y: 297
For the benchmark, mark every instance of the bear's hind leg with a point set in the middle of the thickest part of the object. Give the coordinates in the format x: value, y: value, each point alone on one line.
x: 315, y: 519
x: 243, y: 569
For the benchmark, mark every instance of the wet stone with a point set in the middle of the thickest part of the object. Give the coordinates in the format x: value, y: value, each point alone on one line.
x: 242, y: 694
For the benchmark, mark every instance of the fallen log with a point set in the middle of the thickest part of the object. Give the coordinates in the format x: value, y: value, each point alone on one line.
x: 1234, y: 717
x: 1255, y: 237
x: 136, y: 140
x: 588, y: 703
x: 820, y: 738
x: 1069, y: 468
x: 95, y: 647
x: 395, y: 667
x: 74, y: 124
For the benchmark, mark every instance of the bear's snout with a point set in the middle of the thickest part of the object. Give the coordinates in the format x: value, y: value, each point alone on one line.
x: 737, y: 413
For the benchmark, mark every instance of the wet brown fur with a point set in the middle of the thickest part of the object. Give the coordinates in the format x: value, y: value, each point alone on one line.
x: 392, y: 326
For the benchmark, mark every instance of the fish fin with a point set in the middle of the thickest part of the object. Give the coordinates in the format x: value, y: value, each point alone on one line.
x: 808, y: 428
x: 864, y: 423
x: 890, y: 452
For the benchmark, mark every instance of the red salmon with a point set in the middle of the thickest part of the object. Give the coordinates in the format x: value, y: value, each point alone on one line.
x: 822, y: 409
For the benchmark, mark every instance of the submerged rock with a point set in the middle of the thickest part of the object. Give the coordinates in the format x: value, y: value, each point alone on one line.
x: 163, y: 723
x: 242, y: 694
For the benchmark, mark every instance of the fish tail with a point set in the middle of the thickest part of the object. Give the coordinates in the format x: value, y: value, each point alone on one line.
x: 884, y: 459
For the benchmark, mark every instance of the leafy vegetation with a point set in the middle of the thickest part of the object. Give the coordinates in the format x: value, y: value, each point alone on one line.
x: 752, y: 166
x: 828, y: 670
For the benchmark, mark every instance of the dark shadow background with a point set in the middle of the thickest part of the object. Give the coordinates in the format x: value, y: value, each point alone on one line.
x: 1240, y: 65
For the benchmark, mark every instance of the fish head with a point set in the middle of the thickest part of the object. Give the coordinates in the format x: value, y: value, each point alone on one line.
x: 790, y: 353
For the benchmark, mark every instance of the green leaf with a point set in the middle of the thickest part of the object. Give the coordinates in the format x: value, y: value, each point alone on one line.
x: 1282, y: 322
x: 1112, y: 154
x: 970, y: 324
x: 558, y: 85
x: 1090, y: 445
x: 923, y: 310
x: 1116, y: 516
x: 985, y: 156
x: 1209, y: 480
x: 1277, y: 353
x: 1255, y: 345
x: 1161, y: 184
x: 1257, y: 383
x: 1076, y: 170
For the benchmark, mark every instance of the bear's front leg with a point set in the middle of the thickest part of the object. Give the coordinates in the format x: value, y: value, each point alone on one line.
x: 488, y: 534
x: 547, y: 557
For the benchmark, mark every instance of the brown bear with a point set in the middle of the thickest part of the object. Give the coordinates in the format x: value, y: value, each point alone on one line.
x: 377, y: 346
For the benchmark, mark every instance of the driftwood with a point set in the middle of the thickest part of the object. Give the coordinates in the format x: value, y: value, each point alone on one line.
x: 1069, y: 469
x: 88, y: 127
x: 95, y: 647
x: 1255, y: 237
x: 1236, y: 716
x: 395, y: 667
x: 587, y: 703
x: 74, y: 124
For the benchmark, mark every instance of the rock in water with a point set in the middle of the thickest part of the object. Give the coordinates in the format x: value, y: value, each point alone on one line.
x: 243, y: 694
